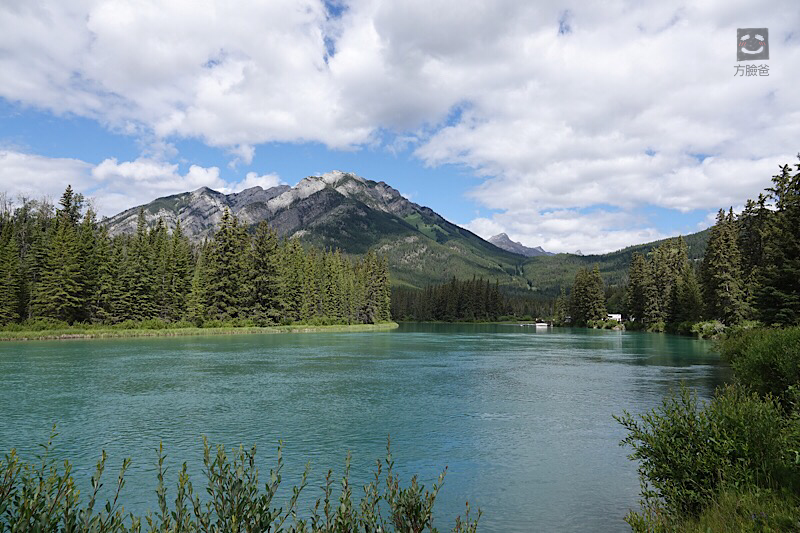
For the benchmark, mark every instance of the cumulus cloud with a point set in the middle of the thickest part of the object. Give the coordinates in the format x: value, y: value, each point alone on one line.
x: 557, y: 107
x: 112, y: 185
x: 569, y: 230
x: 34, y: 176
x: 252, y: 179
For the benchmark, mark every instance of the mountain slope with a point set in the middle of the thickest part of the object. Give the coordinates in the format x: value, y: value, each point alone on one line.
x: 341, y: 210
x: 501, y: 240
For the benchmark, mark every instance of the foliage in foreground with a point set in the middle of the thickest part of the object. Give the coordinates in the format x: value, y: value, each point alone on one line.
x: 43, y: 497
x: 733, y: 458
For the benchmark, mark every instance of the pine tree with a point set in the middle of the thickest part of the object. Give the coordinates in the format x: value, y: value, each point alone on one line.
x: 101, y: 304
x: 141, y: 272
x: 226, y: 264
x: 180, y: 283
x: 88, y: 265
x: 560, y: 310
x: 721, y: 272
x: 9, y: 274
x: 264, y: 280
x: 777, y: 294
x: 636, y: 299
x: 199, y: 297
x: 58, y: 294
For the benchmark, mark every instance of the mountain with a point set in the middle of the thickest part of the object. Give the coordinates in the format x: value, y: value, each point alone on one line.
x: 345, y: 211
x: 503, y: 241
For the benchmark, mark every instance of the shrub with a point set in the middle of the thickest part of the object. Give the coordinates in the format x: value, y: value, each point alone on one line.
x: 688, y: 454
x: 44, y: 499
x: 37, y: 324
x: 604, y: 324
x: 152, y: 323
x: 765, y: 361
x: 710, y: 329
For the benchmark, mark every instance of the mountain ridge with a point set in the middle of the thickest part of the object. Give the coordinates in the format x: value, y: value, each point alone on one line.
x: 345, y: 211
x: 502, y: 240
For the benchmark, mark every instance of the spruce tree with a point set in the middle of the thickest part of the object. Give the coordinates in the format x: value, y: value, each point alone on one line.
x: 180, y: 282
x: 721, y: 272
x: 777, y: 294
x: 9, y: 275
x: 226, y: 269
x: 59, y: 292
x: 560, y: 310
x: 264, y: 280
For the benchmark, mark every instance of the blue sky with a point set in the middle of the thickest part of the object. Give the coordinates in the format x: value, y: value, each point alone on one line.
x: 566, y: 126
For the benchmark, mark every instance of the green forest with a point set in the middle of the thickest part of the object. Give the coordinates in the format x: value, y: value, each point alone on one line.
x: 59, y: 266
x: 732, y: 464
x: 749, y: 274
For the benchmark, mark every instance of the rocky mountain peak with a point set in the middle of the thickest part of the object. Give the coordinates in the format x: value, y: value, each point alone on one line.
x: 503, y: 241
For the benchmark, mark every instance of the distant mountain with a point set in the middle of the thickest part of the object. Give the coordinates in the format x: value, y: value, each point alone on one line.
x: 345, y: 211
x: 503, y: 241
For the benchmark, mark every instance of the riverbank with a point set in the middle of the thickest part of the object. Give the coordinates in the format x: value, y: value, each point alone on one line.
x: 79, y: 332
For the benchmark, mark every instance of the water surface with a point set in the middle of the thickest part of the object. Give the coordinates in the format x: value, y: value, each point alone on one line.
x: 521, y: 418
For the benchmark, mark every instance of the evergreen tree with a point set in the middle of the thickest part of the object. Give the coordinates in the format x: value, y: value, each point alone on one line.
x: 199, y: 297
x: 560, y: 310
x: 226, y: 263
x: 9, y: 274
x: 777, y: 294
x: 59, y: 293
x: 141, y: 274
x: 721, y: 272
x: 180, y: 282
x: 264, y: 276
x: 638, y: 283
x: 88, y: 265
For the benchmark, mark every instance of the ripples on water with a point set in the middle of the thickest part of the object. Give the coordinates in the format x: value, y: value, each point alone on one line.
x: 522, y: 418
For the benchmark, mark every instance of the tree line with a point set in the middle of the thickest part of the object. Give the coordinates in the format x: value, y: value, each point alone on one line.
x: 586, y: 303
x: 455, y: 301
x: 61, y: 264
x: 750, y: 272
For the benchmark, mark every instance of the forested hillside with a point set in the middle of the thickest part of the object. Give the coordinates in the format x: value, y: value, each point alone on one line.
x: 61, y: 265
x: 343, y: 211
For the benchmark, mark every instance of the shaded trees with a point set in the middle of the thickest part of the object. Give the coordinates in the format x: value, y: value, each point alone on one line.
x: 64, y: 266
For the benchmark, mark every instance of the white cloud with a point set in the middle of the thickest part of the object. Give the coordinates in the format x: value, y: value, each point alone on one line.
x: 619, y: 111
x: 252, y: 179
x: 568, y: 230
x: 118, y: 186
x: 35, y: 176
x: 112, y: 185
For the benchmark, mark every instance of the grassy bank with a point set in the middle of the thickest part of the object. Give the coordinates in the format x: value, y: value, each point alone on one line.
x: 108, y: 332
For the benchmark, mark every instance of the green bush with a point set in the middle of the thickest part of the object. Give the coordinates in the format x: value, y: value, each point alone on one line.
x: 710, y: 329
x: 631, y: 325
x: 44, y: 498
x: 765, y: 361
x: 604, y: 324
x: 688, y: 454
x: 37, y: 324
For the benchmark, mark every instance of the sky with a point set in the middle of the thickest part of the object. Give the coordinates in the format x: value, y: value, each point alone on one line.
x: 569, y: 125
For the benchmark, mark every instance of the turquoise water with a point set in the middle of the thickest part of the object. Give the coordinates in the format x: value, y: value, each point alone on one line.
x: 521, y: 418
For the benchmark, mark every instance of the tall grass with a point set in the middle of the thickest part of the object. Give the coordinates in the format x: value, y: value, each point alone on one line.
x: 42, y: 496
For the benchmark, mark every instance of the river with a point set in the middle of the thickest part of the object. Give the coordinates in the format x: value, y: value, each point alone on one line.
x: 522, y: 418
